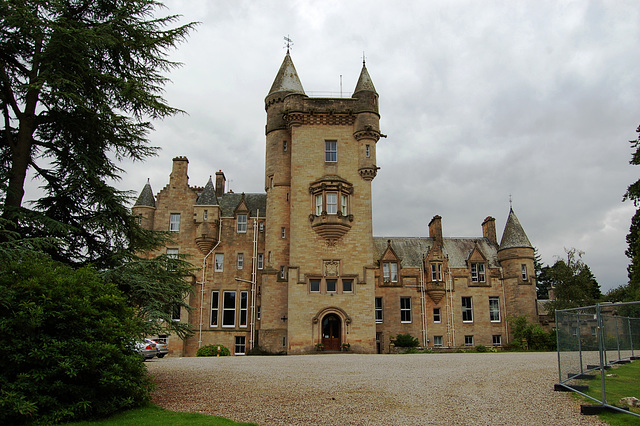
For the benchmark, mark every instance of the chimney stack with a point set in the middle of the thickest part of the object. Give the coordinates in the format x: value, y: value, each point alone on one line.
x: 489, y: 230
x: 435, y: 230
x: 178, y: 176
x: 220, y: 183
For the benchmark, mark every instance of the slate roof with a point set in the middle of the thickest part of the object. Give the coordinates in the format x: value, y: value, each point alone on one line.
x: 514, y: 235
x: 230, y: 201
x: 411, y: 250
x: 146, y: 197
x: 287, y: 78
x: 208, y: 195
x: 364, y: 82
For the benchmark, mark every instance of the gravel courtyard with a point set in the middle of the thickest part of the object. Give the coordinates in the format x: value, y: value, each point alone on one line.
x: 351, y: 389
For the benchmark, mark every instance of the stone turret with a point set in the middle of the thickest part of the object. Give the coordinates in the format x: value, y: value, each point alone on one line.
x: 206, y: 214
x: 516, y: 255
x: 145, y: 207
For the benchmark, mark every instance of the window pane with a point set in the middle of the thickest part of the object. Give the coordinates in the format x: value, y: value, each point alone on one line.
x: 314, y: 286
x: 347, y: 286
x: 436, y: 315
x: 437, y: 340
x: 343, y: 205
x: 467, y: 309
x: 378, y: 309
x: 240, y: 345
x: 242, y: 223
x: 394, y: 272
x: 219, y: 261
x: 214, y: 309
x: 174, y: 222
x: 260, y: 260
x: 244, y: 297
x: 229, y: 309
x: 332, y: 203
x: 318, y: 205
x: 331, y: 151
x: 494, y: 309
x: 331, y: 285
x: 240, y: 260
x: 405, y: 309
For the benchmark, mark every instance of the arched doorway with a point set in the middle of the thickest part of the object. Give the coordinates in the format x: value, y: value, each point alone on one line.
x: 331, y: 329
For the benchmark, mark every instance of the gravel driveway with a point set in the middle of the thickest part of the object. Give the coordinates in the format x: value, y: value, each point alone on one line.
x: 351, y: 389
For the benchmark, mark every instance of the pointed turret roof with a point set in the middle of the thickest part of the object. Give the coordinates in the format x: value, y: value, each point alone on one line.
x: 364, y: 82
x: 513, y: 235
x: 146, y: 197
x: 287, y: 78
x: 208, y: 195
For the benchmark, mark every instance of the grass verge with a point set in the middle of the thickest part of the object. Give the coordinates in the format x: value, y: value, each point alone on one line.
x: 152, y: 414
x: 626, y: 382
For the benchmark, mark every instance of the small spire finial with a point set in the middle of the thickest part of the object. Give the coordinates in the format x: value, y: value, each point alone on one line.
x: 288, y: 42
x: 364, y: 59
x: 510, y: 203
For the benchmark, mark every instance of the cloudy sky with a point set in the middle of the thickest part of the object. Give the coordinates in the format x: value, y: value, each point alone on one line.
x: 481, y: 101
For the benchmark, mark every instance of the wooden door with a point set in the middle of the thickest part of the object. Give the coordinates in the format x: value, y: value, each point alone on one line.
x: 331, y: 326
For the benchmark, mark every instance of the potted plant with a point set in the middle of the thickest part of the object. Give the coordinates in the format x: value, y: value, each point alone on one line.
x: 346, y: 346
x: 319, y: 347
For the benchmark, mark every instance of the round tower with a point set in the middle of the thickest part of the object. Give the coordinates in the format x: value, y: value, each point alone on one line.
x: 367, y: 124
x: 516, y: 256
x: 145, y: 207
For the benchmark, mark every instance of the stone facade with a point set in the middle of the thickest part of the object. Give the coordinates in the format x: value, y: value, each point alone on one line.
x: 296, y: 269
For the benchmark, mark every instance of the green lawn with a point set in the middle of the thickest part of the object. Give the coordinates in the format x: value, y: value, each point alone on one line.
x: 154, y: 415
x: 625, y: 383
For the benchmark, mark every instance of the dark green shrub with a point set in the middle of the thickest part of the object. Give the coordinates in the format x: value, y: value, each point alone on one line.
x: 65, y: 337
x: 406, y: 341
x: 481, y: 348
x: 212, y: 350
x: 535, y: 336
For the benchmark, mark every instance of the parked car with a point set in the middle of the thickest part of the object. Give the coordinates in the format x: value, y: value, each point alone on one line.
x: 147, y: 348
x: 162, y: 346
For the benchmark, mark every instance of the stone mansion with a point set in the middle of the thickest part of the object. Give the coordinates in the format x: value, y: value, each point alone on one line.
x: 297, y: 269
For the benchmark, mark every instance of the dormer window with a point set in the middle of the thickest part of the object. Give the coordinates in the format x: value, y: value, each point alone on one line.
x: 390, y: 272
x: 436, y: 272
x: 477, y: 273
x: 241, y: 226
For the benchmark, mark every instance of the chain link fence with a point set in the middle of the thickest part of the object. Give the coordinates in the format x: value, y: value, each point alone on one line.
x: 591, y: 340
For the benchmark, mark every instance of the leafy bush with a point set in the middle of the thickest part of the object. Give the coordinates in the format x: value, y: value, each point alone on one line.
x: 481, y: 348
x: 212, y: 350
x: 65, y: 336
x: 406, y: 341
x: 536, y: 337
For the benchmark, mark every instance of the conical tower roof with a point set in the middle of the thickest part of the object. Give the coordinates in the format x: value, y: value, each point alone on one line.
x: 364, y: 82
x: 513, y: 235
x: 146, y: 198
x: 287, y: 78
x: 208, y: 195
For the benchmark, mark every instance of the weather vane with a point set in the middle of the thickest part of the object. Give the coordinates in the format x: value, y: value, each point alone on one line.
x: 288, y: 42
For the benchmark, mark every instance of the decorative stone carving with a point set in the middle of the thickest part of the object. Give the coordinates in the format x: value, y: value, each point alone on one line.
x: 331, y: 268
x: 368, y: 173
